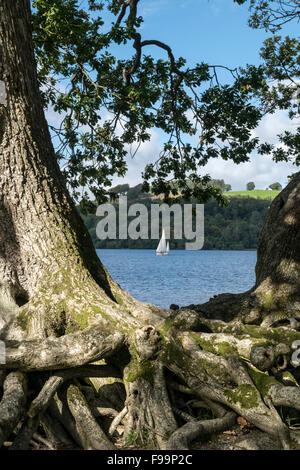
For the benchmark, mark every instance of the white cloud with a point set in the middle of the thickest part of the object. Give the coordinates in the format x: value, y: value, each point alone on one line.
x: 152, y: 7
x: 216, y: 7
x: 272, y: 125
x: 260, y: 169
x: 148, y: 152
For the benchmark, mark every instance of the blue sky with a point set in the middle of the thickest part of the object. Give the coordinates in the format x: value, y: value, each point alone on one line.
x: 216, y: 32
x: 213, y: 31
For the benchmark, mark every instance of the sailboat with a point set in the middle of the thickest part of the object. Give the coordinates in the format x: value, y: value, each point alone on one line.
x: 163, y: 246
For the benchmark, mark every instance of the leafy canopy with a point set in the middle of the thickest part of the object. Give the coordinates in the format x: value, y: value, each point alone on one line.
x: 250, y: 186
x: 94, y: 70
x: 281, y: 69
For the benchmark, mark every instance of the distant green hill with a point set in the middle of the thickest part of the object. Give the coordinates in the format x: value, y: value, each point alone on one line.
x: 256, y: 193
x: 233, y: 227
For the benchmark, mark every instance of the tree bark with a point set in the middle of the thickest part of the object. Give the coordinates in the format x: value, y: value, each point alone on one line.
x: 275, y: 297
x: 46, y: 254
x: 37, y: 216
x: 278, y: 257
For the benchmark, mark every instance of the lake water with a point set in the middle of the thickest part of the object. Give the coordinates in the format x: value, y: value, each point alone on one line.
x: 182, y: 277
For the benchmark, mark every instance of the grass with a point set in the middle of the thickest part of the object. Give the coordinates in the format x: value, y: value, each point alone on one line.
x: 256, y: 193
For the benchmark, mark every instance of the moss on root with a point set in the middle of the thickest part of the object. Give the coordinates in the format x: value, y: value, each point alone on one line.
x: 225, y: 348
x: 221, y: 348
x: 245, y: 395
x: 173, y: 354
x: 279, y: 334
x: 137, y: 369
x: 64, y: 310
x: 203, y: 343
x: 22, y: 319
x: 144, y: 370
x: 268, y: 301
x: 262, y: 380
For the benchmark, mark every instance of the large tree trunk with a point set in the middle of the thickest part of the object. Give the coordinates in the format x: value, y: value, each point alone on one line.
x: 275, y: 297
x: 277, y: 285
x: 43, y: 241
x: 46, y: 254
x: 104, y: 358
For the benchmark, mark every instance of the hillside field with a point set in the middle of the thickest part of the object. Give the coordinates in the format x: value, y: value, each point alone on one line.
x: 256, y: 193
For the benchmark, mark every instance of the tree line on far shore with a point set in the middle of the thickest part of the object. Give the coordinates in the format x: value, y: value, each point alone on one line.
x: 232, y: 227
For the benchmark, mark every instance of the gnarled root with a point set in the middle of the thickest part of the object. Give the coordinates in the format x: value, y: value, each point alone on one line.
x: 168, y: 373
x: 91, y: 435
x: 74, y: 349
x: 41, y: 402
x: 150, y: 417
x: 55, y: 433
x: 13, y: 402
x: 181, y: 438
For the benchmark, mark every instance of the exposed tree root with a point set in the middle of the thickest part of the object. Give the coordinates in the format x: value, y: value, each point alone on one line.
x: 90, y: 433
x: 44, y: 441
x: 71, y: 350
x: 183, y: 436
x: 55, y: 433
x: 12, y: 404
x: 182, y: 414
x: 60, y: 412
x: 171, y: 371
x: 117, y: 420
x: 285, y: 396
x: 150, y: 417
x: 26, y: 432
x: 51, y: 386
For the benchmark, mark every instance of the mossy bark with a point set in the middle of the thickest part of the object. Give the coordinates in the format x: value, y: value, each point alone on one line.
x: 275, y: 296
x: 48, y: 264
x: 45, y: 249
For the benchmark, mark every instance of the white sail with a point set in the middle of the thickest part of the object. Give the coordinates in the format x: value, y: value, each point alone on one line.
x: 162, y: 248
x: 163, y: 241
x: 168, y: 247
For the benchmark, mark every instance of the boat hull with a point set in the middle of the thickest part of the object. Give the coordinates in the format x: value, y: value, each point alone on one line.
x: 162, y: 254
